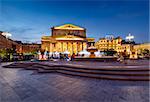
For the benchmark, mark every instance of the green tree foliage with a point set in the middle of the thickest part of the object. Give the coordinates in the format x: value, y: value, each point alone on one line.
x: 3, y: 53
x: 145, y: 52
x: 110, y: 52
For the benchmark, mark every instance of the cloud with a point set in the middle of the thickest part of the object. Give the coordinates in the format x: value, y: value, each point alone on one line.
x: 25, y: 33
x: 20, y: 29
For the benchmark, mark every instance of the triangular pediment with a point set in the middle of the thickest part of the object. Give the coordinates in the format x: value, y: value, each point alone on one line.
x: 69, y: 26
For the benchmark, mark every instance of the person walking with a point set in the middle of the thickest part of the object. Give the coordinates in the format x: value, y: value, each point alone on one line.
x: 73, y: 56
x: 61, y: 56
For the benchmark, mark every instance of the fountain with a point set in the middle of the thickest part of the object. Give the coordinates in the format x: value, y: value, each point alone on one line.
x: 98, y: 54
x: 84, y: 53
x: 92, y: 49
x: 93, y: 54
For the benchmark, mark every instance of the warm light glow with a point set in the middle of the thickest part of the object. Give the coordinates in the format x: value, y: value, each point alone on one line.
x: 69, y: 39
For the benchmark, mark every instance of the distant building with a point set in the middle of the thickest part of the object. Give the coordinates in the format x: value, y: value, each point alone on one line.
x: 127, y: 48
x: 109, y: 43
x: 140, y: 47
x: 26, y: 48
x: 17, y: 46
x: 67, y: 37
x: 109, y: 37
x: 6, y: 43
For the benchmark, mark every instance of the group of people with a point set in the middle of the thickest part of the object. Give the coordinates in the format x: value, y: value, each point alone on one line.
x: 67, y: 57
x: 64, y: 57
x: 61, y: 56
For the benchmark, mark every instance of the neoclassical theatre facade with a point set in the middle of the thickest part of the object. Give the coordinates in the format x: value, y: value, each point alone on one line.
x: 67, y: 37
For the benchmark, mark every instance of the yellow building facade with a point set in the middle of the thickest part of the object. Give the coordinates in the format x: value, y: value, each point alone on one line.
x: 128, y: 48
x: 142, y: 46
x: 107, y: 44
x: 67, y: 37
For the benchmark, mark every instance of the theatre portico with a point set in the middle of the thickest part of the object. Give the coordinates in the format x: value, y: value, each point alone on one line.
x: 67, y: 37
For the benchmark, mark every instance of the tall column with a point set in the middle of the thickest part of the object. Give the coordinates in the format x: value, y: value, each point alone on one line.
x: 82, y: 46
x: 64, y: 46
x: 75, y: 47
x: 51, y: 47
x: 67, y: 45
x: 72, y: 47
x: 61, y: 46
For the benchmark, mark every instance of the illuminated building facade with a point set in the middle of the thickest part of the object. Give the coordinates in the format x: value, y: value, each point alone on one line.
x: 109, y: 43
x: 127, y: 48
x: 26, y: 48
x: 67, y: 37
x: 140, y: 47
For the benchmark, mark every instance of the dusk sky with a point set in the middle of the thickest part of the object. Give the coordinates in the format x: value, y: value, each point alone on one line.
x: 29, y: 20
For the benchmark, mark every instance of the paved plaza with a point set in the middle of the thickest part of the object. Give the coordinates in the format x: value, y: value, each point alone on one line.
x: 19, y: 85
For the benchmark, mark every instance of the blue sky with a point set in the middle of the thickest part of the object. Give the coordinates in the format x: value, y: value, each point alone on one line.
x: 29, y: 20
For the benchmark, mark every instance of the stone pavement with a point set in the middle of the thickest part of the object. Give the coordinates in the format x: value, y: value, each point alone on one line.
x: 19, y: 85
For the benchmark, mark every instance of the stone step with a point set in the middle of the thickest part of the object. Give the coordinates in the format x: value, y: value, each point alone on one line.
x: 120, y: 73
x: 109, y: 72
x: 17, y: 65
x: 13, y: 66
x: 99, y: 76
x: 101, y: 73
x: 111, y: 77
x: 142, y: 68
x: 94, y: 70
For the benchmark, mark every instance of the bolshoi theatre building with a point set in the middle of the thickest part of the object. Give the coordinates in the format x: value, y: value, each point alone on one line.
x: 66, y: 37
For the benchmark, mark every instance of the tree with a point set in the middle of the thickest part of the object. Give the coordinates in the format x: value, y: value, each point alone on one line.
x: 110, y: 52
x: 145, y: 52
